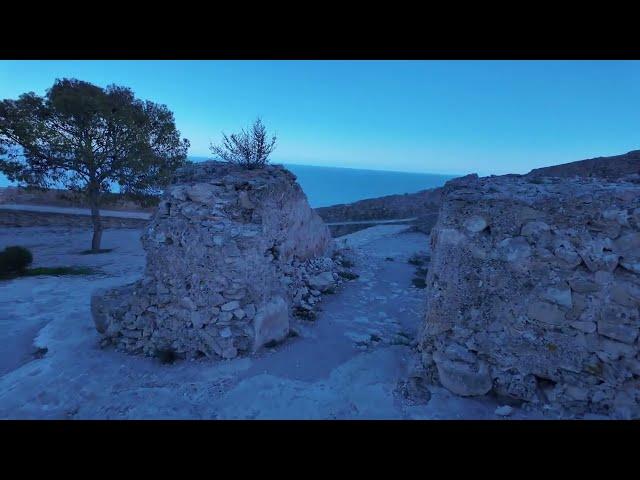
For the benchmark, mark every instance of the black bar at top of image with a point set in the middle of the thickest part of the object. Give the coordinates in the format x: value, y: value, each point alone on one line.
x: 318, y: 53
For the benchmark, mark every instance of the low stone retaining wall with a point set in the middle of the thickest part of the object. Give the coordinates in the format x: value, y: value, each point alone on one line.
x: 16, y: 218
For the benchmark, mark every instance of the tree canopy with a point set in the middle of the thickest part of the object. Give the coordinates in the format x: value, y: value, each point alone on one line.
x: 85, y: 137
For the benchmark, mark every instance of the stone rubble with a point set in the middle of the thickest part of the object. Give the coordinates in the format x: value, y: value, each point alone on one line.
x: 533, y: 292
x: 504, y: 411
x: 232, y: 255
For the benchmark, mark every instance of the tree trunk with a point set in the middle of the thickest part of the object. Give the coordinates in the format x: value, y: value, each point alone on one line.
x: 95, y: 218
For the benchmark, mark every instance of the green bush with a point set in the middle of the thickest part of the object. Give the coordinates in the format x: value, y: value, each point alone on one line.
x: 15, y: 259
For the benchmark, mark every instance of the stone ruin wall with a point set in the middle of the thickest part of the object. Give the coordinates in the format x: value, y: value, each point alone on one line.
x: 533, y: 293
x: 232, y: 254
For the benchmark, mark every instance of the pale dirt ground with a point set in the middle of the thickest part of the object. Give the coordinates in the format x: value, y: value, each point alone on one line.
x: 333, y: 370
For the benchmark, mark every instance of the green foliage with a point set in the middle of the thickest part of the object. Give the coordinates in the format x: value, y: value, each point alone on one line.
x: 96, y: 252
x: 85, y: 138
x: 249, y: 149
x: 32, y: 272
x: 80, y: 134
x: 14, y: 260
x: 53, y: 271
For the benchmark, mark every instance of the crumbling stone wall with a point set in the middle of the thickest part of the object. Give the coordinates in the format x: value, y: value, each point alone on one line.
x: 533, y: 292
x: 231, y: 255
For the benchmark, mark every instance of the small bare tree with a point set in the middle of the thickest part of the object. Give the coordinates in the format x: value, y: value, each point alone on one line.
x: 251, y: 149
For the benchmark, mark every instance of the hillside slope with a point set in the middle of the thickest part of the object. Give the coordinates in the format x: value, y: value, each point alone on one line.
x: 602, y: 167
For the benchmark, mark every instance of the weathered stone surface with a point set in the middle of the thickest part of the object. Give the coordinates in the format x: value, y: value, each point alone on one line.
x: 597, y: 255
x: 622, y: 333
x: 475, y: 224
x: 560, y: 296
x: 586, y: 327
x: 543, y: 305
x: 626, y: 294
x: 322, y: 282
x: 631, y: 263
x: 627, y: 244
x: 546, y: 313
x: 227, y: 307
x: 564, y: 250
x: 271, y: 323
x: 535, y: 229
x: 462, y: 378
x: 229, y: 256
x: 582, y: 285
x: 504, y: 411
x: 514, y: 249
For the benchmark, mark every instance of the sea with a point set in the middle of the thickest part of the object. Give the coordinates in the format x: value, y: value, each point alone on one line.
x: 325, y: 186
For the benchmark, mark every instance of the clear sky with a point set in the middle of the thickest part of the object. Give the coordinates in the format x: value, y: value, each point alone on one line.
x: 454, y: 117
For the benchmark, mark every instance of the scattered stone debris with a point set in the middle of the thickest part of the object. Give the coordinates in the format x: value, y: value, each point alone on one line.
x: 504, y: 411
x: 414, y: 391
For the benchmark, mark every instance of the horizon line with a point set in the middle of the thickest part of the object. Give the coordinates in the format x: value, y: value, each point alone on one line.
x: 206, y: 158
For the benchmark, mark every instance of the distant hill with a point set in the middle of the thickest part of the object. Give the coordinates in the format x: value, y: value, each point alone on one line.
x: 388, y: 207
x: 602, y: 167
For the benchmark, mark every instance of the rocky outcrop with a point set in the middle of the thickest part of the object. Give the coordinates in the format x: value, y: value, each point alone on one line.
x: 533, y: 292
x: 601, y: 167
x: 231, y: 255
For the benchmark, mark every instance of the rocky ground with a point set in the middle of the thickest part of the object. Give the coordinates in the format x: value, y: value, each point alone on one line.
x: 355, y: 361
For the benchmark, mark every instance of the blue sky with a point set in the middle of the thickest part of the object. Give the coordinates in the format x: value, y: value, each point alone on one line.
x: 454, y: 117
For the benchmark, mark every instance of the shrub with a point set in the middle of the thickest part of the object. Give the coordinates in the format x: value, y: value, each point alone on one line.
x: 15, y: 259
x: 419, y: 282
x: 418, y: 259
x: 249, y: 149
x: 166, y: 355
x: 346, y: 263
x: 33, y: 272
x: 348, y: 275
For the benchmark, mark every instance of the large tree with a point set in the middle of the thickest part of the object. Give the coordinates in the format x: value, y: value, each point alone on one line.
x: 87, y: 138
